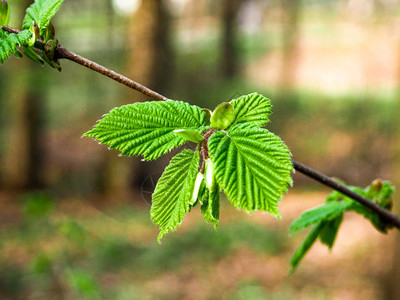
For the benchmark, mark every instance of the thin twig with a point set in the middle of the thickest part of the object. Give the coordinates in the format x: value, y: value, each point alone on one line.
x: 62, y: 53
x: 66, y: 54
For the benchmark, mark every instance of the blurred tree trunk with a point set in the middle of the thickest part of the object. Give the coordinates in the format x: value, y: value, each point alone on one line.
x: 291, y: 16
x: 150, y: 56
x: 149, y: 63
x: 229, y: 55
x: 24, y: 158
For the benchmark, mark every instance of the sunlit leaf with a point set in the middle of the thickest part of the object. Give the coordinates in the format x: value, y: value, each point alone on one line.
x: 174, y: 190
x: 147, y: 128
x: 252, y: 166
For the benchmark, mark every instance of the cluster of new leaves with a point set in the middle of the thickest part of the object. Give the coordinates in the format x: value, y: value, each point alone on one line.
x: 326, y: 219
x: 37, y: 31
x: 9, y: 43
x: 234, y: 154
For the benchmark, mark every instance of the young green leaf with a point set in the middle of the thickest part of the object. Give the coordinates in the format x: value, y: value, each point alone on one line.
x: 305, y: 246
x: 9, y: 43
x: 222, y: 116
x: 326, y: 212
x: 197, y: 187
x: 252, y: 166
x: 4, y: 13
x: 253, y: 108
x: 210, y: 207
x: 41, y: 12
x: 330, y: 230
x: 147, y: 128
x: 189, y: 135
x: 31, y: 54
x: 171, y: 198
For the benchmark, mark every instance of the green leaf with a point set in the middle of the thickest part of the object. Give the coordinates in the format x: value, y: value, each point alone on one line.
x: 222, y: 116
x: 9, y: 43
x: 330, y: 230
x: 31, y: 54
x: 305, y: 246
x: 252, y: 166
x: 189, y: 135
x: 171, y: 198
x: 4, y: 13
x: 210, y: 207
x: 41, y: 12
x: 253, y: 108
x: 326, y: 212
x: 379, y: 192
x: 147, y: 128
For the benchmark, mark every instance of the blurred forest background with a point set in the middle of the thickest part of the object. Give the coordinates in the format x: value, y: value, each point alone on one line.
x: 74, y: 217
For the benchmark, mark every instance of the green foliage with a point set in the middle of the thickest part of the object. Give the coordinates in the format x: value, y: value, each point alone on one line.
x: 210, y: 206
x: 9, y: 43
x: 253, y: 167
x: 41, y: 12
x: 84, y: 284
x: 37, y: 204
x: 253, y: 108
x: 147, y: 128
x: 4, y: 13
x: 174, y: 190
x: 250, y: 164
x: 327, y: 212
x: 326, y: 219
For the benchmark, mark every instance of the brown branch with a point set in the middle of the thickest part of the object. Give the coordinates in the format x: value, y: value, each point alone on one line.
x: 62, y: 53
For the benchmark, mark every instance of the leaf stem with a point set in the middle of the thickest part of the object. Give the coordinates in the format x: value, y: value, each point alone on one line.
x: 63, y: 53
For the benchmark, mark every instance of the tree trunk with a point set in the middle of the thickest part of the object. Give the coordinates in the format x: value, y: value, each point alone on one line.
x: 151, y: 56
x: 229, y: 58
x: 290, y: 36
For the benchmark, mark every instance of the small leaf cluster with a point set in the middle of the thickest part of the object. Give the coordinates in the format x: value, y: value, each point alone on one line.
x: 234, y: 154
x: 37, y: 39
x: 326, y: 219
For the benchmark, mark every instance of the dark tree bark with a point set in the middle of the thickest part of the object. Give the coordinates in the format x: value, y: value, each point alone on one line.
x: 229, y: 55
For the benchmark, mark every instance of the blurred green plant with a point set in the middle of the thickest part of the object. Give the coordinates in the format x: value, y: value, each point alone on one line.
x: 84, y: 284
x: 37, y: 204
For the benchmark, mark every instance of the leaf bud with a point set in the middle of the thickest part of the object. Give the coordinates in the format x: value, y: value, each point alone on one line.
x: 222, y: 116
x: 49, y: 49
x: 4, y: 13
x: 50, y: 32
x: 208, y: 115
